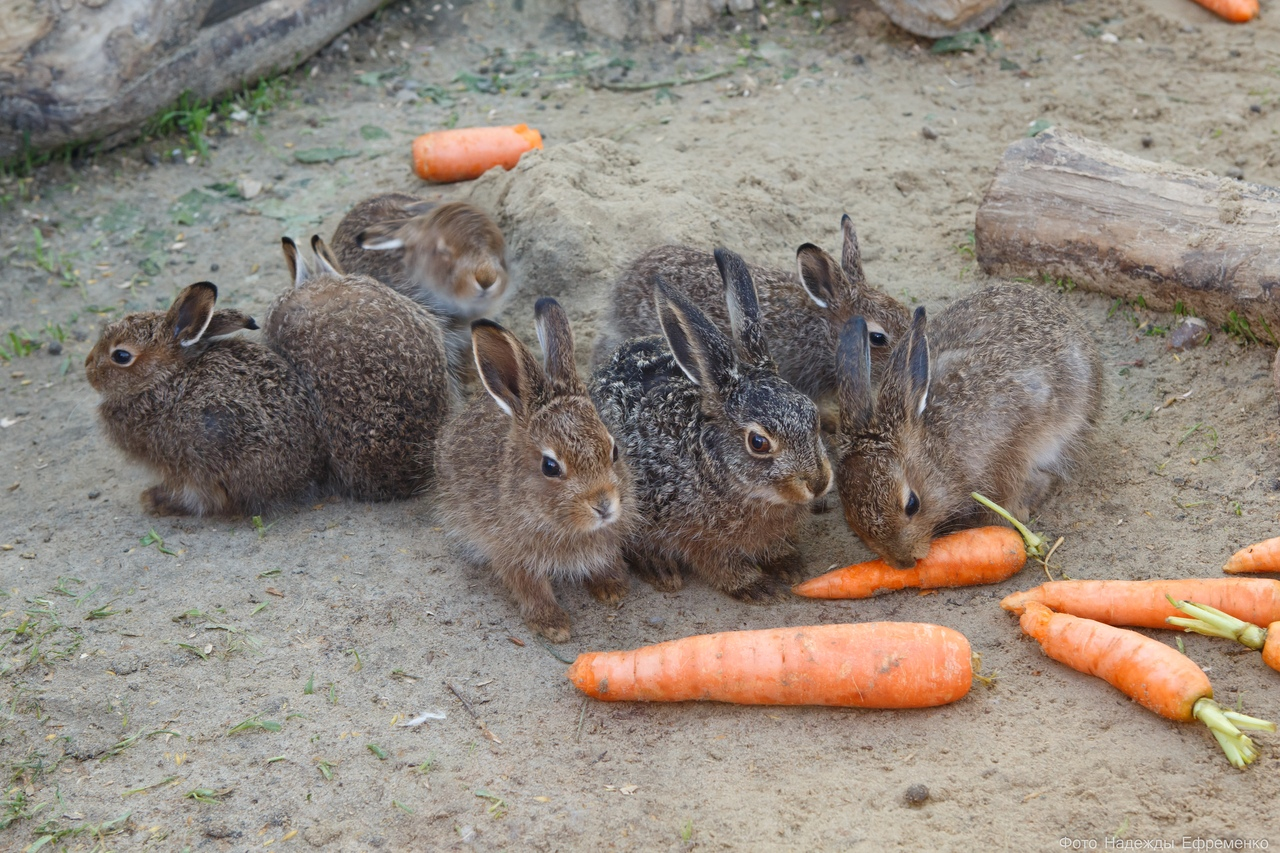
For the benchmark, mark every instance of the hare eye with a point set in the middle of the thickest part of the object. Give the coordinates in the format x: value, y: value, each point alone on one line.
x: 122, y: 356
x: 879, y: 339
x: 758, y: 443
x: 913, y: 505
x: 550, y: 467
x: 615, y: 452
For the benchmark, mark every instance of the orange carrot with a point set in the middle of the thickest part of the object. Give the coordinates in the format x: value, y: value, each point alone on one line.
x: 1236, y: 11
x: 1152, y: 674
x: 1261, y: 557
x: 979, y: 555
x: 464, y: 153
x: 1212, y: 622
x: 975, y: 556
x: 864, y: 665
x: 1144, y: 604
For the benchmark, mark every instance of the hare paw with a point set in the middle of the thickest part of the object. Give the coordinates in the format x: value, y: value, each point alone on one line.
x: 608, y: 588
x: 158, y: 500
x: 552, y: 625
x: 763, y: 590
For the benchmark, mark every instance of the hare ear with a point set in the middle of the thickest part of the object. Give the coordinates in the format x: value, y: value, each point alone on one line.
x: 918, y: 368
x: 297, y: 266
x: 418, y: 208
x: 324, y: 256
x: 382, y: 236
x: 744, y: 308
x: 853, y: 370
x: 191, y: 312
x: 226, y: 322
x: 556, y: 339
x: 818, y: 275
x: 851, y: 254
x: 701, y: 351
x: 507, y: 368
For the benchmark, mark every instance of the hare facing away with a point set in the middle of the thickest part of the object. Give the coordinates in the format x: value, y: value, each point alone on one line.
x: 530, y: 481
x: 801, y: 312
x: 225, y: 422
x: 997, y: 395
x: 449, y: 257
x: 374, y: 361
x: 726, y: 454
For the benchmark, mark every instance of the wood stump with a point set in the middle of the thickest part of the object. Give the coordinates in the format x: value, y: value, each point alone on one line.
x: 1065, y: 207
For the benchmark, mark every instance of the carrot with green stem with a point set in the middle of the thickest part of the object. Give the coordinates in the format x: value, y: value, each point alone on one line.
x: 1145, y: 604
x: 862, y: 665
x: 976, y: 556
x: 1261, y: 556
x: 1152, y: 674
x: 1212, y: 622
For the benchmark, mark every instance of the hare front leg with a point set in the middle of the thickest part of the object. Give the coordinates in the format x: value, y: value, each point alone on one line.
x: 537, y: 602
x: 652, y: 565
x: 739, y: 576
x: 785, y: 563
x: 611, y: 584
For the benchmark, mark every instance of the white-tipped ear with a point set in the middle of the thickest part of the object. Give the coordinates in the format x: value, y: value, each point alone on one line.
x: 385, y: 244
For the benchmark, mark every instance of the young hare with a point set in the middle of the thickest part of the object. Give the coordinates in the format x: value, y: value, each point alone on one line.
x: 726, y: 454
x: 530, y: 480
x: 997, y: 395
x: 801, y: 312
x: 449, y: 257
x: 374, y: 361
x: 224, y: 422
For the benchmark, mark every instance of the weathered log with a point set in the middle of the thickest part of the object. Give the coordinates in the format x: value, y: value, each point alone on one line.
x: 937, y: 18
x: 97, y: 69
x: 1066, y: 207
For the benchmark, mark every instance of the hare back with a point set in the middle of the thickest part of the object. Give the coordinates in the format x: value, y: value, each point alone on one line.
x: 375, y: 362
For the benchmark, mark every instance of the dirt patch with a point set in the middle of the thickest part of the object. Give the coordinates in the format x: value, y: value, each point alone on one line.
x: 128, y: 658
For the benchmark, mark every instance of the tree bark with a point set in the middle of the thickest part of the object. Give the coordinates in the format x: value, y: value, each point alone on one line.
x: 1065, y: 207
x: 87, y: 70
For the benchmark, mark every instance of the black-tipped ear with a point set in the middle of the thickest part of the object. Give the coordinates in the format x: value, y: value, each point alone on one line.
x: 853, y: 370
x: 297, y: 266
x: 227, y: 321
x: 556, y: 339
x: 507, y: 369
x: 918, y: 366
x: 418, y: 208
x: 819, y: 275
x: 701, y: 350
x: 324, y: 256
x: 191, y: 312
x: 850, y: 254
x: 744, y: 308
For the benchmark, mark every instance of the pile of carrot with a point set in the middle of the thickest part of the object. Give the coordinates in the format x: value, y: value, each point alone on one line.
x: 1154, y: 675
x: 865, y: 665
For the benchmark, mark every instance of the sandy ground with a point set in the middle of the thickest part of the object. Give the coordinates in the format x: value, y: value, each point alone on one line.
x: 126, y: 665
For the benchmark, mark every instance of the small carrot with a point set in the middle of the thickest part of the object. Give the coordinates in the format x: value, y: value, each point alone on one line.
x: 1144, y: 604
x: 975, y: 556
x: 1263, y: 556
x: 1236, y: 11
x: 863, y: 665
x: 464, y: 153
x: 1152, y: 674
x: 1214, y: 623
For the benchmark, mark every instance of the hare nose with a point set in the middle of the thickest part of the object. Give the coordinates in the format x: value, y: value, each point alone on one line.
x: 605, y: 507
x: 819, y: 484
x: 486, y: 278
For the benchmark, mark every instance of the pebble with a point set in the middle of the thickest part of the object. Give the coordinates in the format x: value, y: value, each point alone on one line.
x: 655, y: 622
x: 150, y: 157
x: 916, y: 795
x: 928, y: 132
x: 94, y: 495
x: 54, y: 348
x: 1190, y: 333
x: 1255, y: 108
x: 213, y: 267
x: 1147, y: 142
x: 1236, y: 172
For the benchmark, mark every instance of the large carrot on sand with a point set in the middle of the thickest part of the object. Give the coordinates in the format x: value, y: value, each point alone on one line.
x: 1152, y: 674
x: 1145, y: 604
x: 463, y: 153
x: 1214, y: 623
x: 1236, y: 11
x: 863, y: 665
x: 976, y: 556
x: 1262, y: 556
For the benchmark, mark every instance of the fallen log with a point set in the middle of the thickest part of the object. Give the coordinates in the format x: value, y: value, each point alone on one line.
x: 1066, y: 207
x: 96, y: 70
